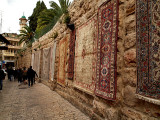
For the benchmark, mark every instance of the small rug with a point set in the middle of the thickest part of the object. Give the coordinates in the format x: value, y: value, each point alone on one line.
x: 46, y: 63
x: 36, y: 63
x: 85, y: 56
x: 32, y: 59
x: 52, y: 60
x: 62, y: 61
x: 148, y: 50
x: 107, y: 55
x: 71, y: 55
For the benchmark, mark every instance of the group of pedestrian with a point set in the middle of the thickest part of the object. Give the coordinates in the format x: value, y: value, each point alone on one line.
x: 24, y: 75
x: 21, y: 74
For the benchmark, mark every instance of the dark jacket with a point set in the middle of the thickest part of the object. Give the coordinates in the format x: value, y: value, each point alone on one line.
x: 2, y: 75
x: 30, y: 73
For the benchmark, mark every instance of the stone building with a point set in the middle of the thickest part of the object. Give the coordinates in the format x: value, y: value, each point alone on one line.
x: 9, y: 56
x: 108, y: 66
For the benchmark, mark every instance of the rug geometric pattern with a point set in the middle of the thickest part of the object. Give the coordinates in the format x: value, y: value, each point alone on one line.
x: 106, y: 82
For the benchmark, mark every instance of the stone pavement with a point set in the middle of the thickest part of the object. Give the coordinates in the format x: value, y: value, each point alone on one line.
x: 35, y: 103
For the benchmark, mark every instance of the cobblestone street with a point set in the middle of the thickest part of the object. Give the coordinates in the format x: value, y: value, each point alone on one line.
x: 35, y: 103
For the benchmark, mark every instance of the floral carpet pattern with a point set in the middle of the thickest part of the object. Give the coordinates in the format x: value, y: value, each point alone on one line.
x: 148, y: 50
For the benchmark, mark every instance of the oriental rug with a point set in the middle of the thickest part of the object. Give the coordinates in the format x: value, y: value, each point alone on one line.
x: 52, y: 61
x: 106, y: 81
x: 148, y: 50
x: 36, y: 65
x: 71, y: 55
x: 62, y: 61
x: 85, y: 56
x: 32, y: 59
x: 46, y: 63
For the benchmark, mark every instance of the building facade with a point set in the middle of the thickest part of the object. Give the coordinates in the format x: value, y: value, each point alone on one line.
x: 8, y: 56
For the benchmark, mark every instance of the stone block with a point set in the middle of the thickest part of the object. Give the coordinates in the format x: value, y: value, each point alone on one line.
x: 129, y: 77
x: 99, y: 108
x: 130, y: 23
x: 130, y: 57
x: 112, y: 114
x: 129, y: 96
x: 130, y: 114
x: 130, y: 7
x: 130, y: 40
x: 119, y: 84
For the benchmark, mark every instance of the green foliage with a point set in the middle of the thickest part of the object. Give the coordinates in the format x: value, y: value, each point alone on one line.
x: 26, y: 35
x: 55, y: 35
x: 67, y: 19
x: 44, y: 30
x: 40, y: 6
x: 48, y: 18
x: 45, y: 17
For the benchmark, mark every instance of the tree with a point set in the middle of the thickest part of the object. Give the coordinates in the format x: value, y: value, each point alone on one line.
x: 45, y: 17
x: 40, y: 6
x: 26, y: 35
x: 62, y: 9
x: 48, y: 18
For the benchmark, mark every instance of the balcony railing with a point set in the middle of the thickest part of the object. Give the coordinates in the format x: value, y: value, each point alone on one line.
x: 8, y: 54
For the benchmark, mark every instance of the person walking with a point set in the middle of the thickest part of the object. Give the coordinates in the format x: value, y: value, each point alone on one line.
x: 34, y: 75
x: 2, y: 77
x: 24, y: 74
x: 30, y: 74
x: 9, y: 73
x: 19, y: 75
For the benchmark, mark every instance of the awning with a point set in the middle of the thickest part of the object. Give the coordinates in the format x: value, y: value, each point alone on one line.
x: 3, y: 48
x: 3, y: 39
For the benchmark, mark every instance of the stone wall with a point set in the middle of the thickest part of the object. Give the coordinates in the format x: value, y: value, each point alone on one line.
x: 126, y: 106
x: 24, y: 60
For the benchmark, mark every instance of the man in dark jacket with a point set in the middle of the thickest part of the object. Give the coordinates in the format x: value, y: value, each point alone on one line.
x: 31, y: 75
x: 2, y: 77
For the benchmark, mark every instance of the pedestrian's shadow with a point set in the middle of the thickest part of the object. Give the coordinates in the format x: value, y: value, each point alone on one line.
x: 23, y: 85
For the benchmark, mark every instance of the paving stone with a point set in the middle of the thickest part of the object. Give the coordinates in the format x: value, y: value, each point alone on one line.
x: 35, y: 103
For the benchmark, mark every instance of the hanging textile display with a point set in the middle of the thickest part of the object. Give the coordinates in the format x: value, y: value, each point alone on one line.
x: 46, y: 63
x: 62, y: 61
x: 36, y: 65
x: 107, y: 45
x: 52, y: 61
x: 32, y: 59
x: 148, y: 50
x: 71, y: 54
x: 85, y: 56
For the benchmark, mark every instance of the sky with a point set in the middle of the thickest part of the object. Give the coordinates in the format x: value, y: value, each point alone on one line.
x: 12, y: 10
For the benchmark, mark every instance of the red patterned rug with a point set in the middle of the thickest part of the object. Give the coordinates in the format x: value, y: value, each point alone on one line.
x: 71, y: 55
x: 62, y: 61
x: 107, y: 44
x: 148, y: 50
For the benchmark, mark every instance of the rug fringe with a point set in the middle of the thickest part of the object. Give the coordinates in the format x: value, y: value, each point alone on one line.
x: 151, y: 100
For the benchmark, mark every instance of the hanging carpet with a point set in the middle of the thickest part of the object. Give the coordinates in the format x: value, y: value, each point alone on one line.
x: 107, y: 55
x: 148, y: 50
x: 85, y: 56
